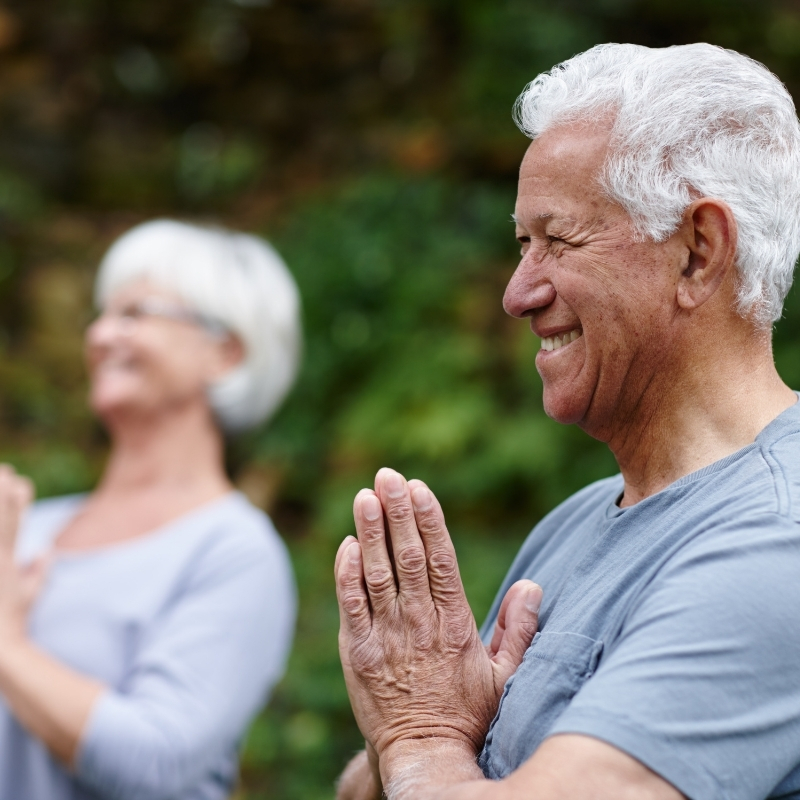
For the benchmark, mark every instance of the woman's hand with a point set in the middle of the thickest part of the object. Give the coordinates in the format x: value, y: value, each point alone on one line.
x: 47, y: 698
x: 415, y: 667
x: 19, y: 586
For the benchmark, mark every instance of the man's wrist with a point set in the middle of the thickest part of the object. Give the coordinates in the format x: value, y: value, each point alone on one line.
x: 412, y: 767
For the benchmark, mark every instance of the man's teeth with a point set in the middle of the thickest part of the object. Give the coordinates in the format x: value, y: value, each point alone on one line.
x: 554, y: 342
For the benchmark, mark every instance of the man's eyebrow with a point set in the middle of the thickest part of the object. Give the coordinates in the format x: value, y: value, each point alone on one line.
x: 516, y: 221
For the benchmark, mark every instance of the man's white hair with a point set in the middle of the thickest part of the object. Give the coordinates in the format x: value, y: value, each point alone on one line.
x: 689, y: 121
x: 231, y: 278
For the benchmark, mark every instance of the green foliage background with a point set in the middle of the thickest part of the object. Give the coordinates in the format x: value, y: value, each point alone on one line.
x: 371, y: 141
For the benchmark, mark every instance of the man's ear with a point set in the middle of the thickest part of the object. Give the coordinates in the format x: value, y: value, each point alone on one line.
x: 710, y: 235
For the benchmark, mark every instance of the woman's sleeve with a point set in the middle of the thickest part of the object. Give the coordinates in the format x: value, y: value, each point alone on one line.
x: 200, y: 676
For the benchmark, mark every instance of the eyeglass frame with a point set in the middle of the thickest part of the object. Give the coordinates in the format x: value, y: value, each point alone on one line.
x: 161, y: 309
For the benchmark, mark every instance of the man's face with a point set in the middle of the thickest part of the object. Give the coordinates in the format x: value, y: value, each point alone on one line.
x: 602, y: 302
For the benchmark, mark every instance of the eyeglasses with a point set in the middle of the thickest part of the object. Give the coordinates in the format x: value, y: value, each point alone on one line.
x: 154, y: 307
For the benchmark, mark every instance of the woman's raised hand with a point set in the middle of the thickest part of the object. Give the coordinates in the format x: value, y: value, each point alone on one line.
x: 16, y: 494
x: 19, y: 585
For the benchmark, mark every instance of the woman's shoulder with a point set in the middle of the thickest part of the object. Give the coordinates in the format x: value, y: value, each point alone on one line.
x: 237, y: 534
x: 243, y: 524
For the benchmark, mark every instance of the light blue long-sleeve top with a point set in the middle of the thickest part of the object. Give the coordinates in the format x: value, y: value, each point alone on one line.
x: 189, y: 627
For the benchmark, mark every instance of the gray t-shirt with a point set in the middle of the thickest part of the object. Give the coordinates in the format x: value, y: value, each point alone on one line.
x: 188, y: 626
x: 670, y: 629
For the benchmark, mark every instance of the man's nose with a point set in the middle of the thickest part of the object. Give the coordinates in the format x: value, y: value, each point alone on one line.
x: 527, y: 291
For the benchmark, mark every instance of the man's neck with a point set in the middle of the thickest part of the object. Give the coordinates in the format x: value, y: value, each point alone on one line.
x: 691, y: 418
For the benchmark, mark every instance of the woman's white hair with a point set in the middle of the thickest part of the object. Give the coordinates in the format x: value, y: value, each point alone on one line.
x: 689, y: 121
x: 230, y: 278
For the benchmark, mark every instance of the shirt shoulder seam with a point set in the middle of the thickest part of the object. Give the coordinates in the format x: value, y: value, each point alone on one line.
x: 779, y: 481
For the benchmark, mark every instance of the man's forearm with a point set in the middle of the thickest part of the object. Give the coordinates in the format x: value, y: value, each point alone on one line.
x: 433, y: 770
x: 564, y: 767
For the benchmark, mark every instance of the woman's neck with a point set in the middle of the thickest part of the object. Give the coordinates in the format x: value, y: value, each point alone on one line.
x: 179, y: 450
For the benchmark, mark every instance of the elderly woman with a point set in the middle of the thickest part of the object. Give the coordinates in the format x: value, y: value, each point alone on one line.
x: 167, y: 605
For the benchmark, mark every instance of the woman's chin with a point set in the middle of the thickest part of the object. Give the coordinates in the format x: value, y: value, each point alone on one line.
x: 112, y: 405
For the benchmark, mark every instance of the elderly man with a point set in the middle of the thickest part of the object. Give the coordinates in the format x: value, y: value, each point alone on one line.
x: 659, y: 218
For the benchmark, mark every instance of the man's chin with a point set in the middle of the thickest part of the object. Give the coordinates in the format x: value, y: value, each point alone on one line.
x: 566, y: 407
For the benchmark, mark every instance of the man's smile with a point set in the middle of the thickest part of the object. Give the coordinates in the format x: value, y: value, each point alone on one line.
x: 558, y: 341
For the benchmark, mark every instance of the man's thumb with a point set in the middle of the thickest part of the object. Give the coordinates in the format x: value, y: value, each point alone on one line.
x: 517, y: 623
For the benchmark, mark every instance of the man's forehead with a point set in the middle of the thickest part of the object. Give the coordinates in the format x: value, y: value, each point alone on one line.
x: 566, y: 153
x: 558, y: 175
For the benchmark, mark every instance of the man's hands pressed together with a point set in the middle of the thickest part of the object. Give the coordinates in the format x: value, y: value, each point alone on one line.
x: 420, y: 680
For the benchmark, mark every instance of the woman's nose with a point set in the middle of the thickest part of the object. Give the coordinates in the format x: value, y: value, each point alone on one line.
x: 98, y: 330
x: 105, y: 330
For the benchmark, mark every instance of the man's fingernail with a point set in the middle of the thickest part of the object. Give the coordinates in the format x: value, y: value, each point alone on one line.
x: 533, y: 600
x: 393, y: 483
x: 371, y: 507
x: 421, y: 498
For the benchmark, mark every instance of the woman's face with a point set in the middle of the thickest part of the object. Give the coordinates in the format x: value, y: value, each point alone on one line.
x: 147, y: 355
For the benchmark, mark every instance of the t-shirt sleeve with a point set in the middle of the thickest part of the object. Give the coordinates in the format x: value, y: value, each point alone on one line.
x: 702, y: 685
x: 199, y: 677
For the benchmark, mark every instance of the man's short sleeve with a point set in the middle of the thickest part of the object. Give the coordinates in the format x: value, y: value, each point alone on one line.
x: 703, y: 683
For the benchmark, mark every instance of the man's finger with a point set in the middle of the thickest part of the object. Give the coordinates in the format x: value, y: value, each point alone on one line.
x: 517, y: 623
x: 342, y: 547
x: 443, y: 573
x: 378, y: 572
x: 407, y: 546
x: 352, y: 594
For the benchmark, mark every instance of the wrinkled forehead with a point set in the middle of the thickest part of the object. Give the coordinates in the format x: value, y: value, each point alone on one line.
x: 560, y: 173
